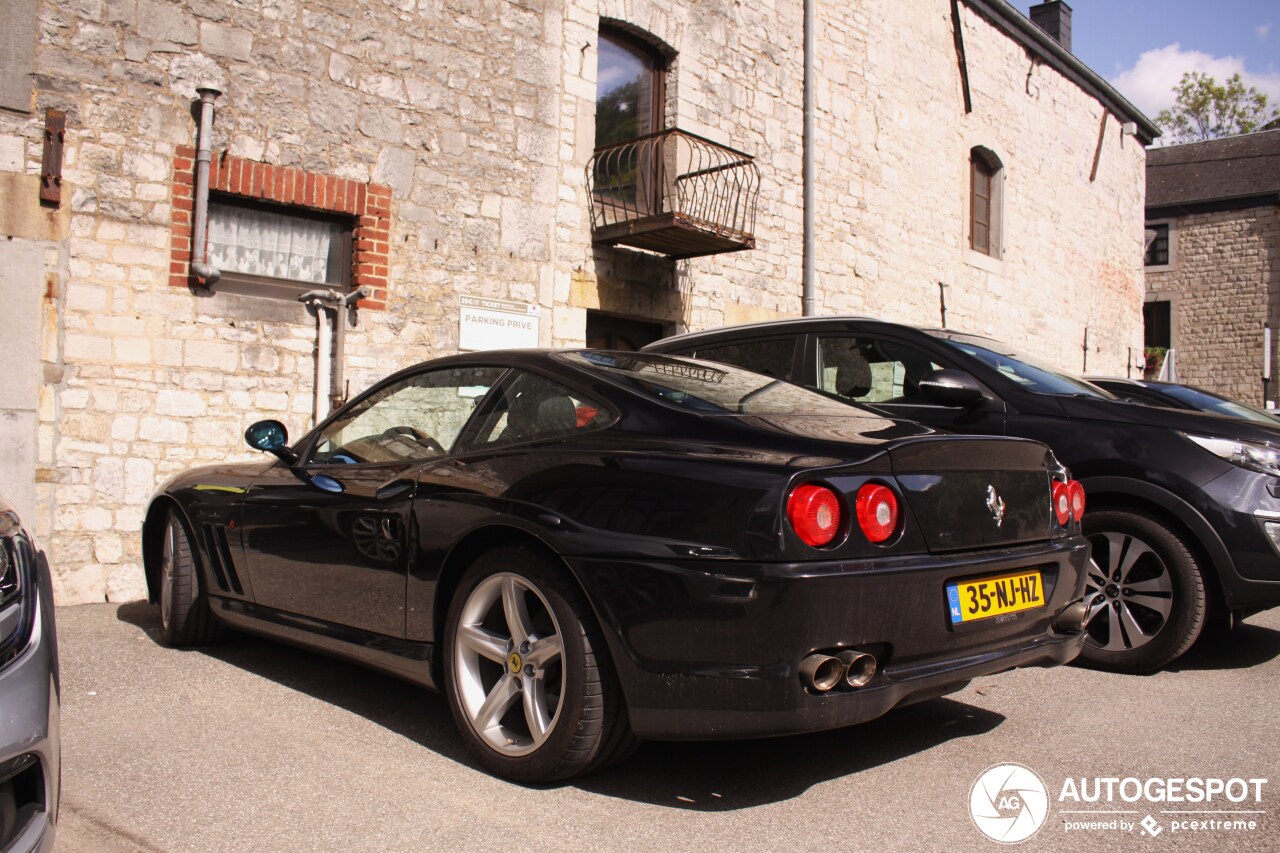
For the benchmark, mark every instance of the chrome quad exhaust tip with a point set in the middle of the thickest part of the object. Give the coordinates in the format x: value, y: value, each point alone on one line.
x: 823, y: 672
x: 1072, y: 619
x: 859, y: 667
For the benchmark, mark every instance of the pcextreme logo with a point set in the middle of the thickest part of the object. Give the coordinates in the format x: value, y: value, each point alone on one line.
x: 1010, y: 803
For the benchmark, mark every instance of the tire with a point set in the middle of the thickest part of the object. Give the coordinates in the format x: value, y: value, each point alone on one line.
x: 528, y: 677
x: 185, y: 619
x: 1146, y: 593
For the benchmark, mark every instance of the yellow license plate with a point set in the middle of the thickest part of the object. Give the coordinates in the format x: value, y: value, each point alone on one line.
x: 985, y: 597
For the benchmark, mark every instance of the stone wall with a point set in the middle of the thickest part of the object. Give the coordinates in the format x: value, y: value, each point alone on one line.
x: 1223, y: 283
x: 479, y: 118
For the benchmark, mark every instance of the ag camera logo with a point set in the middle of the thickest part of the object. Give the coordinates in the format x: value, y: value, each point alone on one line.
x: 1008, y: 803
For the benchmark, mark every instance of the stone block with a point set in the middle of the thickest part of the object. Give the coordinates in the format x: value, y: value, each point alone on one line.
x: 231, y: 42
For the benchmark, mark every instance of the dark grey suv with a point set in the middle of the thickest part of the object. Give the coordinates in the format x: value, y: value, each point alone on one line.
x: 1183, y: 507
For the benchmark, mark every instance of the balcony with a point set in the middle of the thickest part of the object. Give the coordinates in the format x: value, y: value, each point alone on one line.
x: 674, y: 193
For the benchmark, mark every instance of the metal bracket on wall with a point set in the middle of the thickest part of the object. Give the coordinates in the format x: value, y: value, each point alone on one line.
x: 55, y: 136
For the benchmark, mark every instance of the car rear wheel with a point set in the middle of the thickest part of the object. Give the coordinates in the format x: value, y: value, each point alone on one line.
x: 527, y: 674
x: 185, y: 619
x: 1145, y: 593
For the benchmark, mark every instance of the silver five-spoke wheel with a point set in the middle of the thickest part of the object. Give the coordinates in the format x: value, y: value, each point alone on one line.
x: 508, y: 664
x: 527, y: 670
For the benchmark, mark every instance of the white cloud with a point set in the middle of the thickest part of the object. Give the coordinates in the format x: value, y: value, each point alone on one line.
x: 1149, y: 84
x: 1263, y: 30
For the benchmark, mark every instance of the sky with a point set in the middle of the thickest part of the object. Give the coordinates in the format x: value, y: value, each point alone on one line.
x: 1143, y: 47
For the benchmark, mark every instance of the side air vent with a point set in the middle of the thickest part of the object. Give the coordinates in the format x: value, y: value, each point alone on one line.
x: 224, y: 567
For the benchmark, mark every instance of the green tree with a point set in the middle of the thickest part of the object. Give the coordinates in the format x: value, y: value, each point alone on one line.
x: 1206, y: 109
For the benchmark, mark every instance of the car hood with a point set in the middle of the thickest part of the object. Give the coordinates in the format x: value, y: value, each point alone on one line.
x: 1184, y: 420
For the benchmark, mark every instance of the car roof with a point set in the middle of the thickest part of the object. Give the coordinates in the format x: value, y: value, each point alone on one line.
x: 799, y: 324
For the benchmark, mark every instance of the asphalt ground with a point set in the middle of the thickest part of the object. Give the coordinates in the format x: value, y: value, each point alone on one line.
x: 258, y: 746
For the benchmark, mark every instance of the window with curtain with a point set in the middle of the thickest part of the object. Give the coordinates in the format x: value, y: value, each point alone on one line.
x: 268, y: 252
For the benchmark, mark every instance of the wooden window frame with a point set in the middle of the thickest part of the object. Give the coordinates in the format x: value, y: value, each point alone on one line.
x: 640, y: 47
x: 985, y: 179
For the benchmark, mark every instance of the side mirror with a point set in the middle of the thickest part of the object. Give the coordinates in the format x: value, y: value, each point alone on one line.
x: 271, y: 437
x: 949, y: 387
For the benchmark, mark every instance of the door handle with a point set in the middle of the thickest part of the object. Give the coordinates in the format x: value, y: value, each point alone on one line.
x: 394, y: 489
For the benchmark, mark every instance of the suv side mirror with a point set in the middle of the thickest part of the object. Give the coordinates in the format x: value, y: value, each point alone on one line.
x: 272, y: 437
x: 948, y: 387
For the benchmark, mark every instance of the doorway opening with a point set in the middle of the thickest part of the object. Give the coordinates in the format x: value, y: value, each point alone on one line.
x: 605, y: 331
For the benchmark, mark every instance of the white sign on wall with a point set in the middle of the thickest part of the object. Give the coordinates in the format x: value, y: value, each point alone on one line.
x: 496, y: 324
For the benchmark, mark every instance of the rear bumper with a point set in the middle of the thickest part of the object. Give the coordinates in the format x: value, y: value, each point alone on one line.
x: 709, y: 650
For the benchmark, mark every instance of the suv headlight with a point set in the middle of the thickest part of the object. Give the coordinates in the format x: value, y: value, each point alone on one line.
x: 1247, y: 454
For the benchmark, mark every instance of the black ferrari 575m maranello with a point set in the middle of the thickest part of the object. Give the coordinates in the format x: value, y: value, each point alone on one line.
x: 585, y: 548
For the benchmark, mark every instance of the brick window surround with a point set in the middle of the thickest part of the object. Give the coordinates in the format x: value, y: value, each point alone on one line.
x: 368, y: 204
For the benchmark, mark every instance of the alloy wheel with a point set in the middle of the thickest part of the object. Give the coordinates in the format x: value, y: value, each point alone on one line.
x: 1129, y: 592
x: 509, y: 664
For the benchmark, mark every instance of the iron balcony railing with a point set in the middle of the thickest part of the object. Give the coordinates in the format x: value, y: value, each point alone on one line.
x: 675, y: 193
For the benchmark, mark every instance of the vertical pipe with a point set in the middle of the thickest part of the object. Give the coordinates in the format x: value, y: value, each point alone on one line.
x: 199, y: 249
x: 808, y: 177
x: 323, y: 358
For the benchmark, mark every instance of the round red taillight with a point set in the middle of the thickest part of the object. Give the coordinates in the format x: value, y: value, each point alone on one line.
x: 814, y: 512
x: 1061, y: 502
x: 1075, y: 494
x: 877, y: 508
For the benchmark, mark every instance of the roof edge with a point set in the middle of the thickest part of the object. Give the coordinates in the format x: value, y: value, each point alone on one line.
x: 1247, y: 201
x: 1018, y: 26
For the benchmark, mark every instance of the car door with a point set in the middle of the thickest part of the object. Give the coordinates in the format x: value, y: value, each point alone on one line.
x: 883, y: 370
x: 329, y: 538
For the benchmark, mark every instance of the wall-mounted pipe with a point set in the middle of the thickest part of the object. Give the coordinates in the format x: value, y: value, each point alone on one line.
x: 807, y: 302
x: 331, y: 359
x: 337, y: 390
x: 199, y: 250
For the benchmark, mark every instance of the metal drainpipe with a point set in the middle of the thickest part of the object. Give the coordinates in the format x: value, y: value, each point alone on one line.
x: 330, y: 359
x: 809, y: 35
x: 337, y: 393
x: 199, y: 250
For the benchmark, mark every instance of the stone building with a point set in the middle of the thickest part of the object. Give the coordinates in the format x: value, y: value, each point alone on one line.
x: 442, y: 158
x: 1213, y: 264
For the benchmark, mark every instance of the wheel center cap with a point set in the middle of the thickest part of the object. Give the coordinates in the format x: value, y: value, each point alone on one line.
x: 514, y: 663
x: 1113, y: 591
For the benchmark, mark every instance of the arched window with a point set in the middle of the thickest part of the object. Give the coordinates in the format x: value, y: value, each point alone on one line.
x: 629, y: 87
x: 985, y: 185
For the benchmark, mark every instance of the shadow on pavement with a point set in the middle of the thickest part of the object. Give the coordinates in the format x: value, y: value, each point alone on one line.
x: 730, y: 775
x: 696, y: 776
x: 1246, y: 646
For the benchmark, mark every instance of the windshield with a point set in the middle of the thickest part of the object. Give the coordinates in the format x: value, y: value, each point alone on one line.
x: 1022, y: 369
x: 1206, y: 402
x: 705, y: 386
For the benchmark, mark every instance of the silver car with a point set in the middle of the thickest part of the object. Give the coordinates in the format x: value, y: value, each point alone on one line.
x: 29, y: 691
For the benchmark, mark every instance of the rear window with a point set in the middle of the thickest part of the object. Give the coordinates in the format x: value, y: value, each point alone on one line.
x: 704, y: 386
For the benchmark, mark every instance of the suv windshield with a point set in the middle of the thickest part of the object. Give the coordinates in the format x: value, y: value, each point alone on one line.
x: 704, y: 386
x: 1020, y: 368
x: 1207, y: 402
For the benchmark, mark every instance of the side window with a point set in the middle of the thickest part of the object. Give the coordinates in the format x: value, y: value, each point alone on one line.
x: 872, y: 371
x: 416, y: 418
x: 533, y: 407
x: 772, y: 357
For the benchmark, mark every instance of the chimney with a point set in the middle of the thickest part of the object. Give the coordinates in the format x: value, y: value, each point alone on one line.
x: 1054, y: 17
